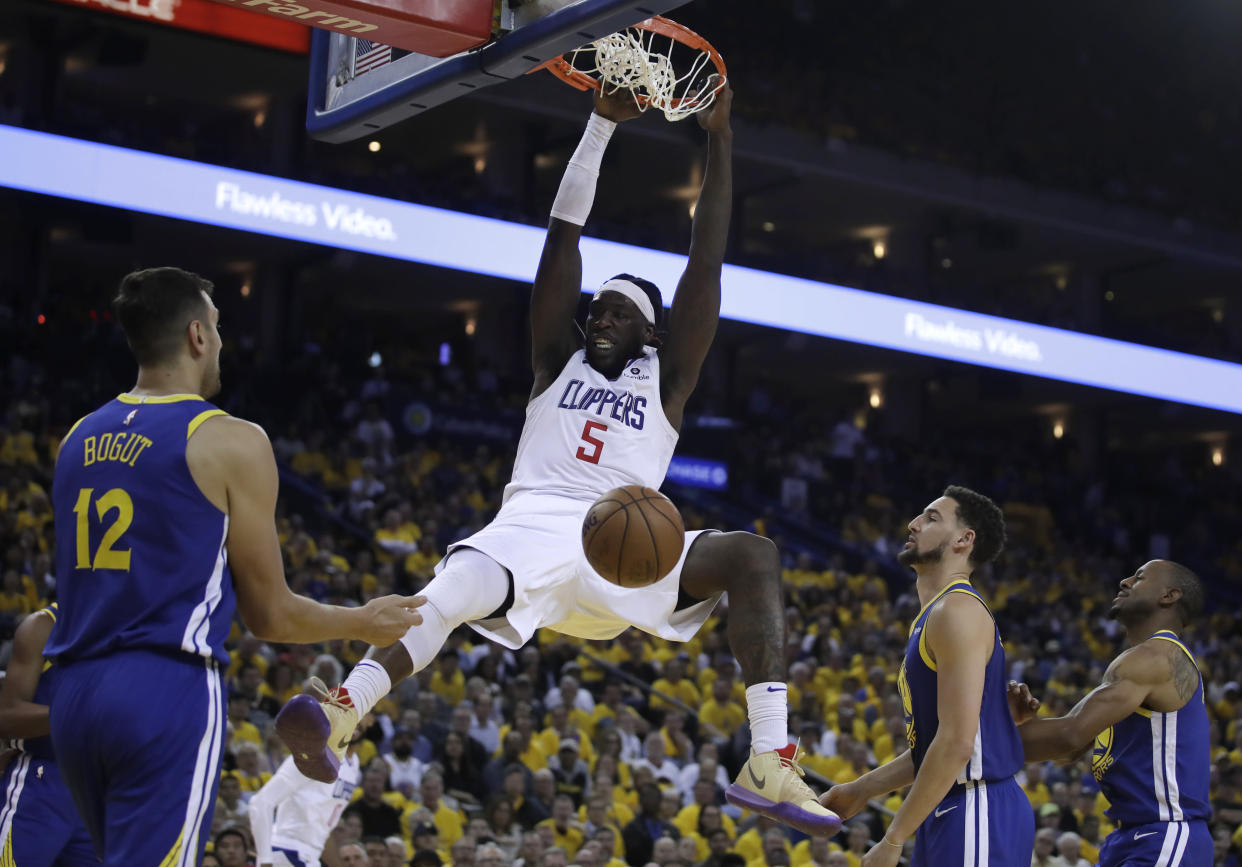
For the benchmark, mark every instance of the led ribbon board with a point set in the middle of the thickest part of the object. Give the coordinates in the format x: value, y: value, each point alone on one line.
x: 204, y: 193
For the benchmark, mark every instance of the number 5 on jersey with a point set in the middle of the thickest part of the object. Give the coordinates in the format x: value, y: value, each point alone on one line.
x: 106, y: 557
x: 591, y: 457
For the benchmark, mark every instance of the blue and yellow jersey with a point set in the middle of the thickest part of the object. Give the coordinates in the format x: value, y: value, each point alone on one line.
x: 140, y: 556
x: 41, y: 748
x: 1153, y: 767
x: 997, y: 753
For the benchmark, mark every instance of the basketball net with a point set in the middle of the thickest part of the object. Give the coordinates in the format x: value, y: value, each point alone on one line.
x: 640, y: 61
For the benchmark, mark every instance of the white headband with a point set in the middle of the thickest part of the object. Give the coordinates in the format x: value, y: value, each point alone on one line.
x: 632, y: 292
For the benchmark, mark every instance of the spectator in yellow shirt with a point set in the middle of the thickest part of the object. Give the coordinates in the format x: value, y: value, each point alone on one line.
x: 13, y: 599
x: 422, y: 563
x: 566, y: 832
x: 1091, y: 838
x: 815, y: 852
x: 775, y: 849
x: 675, y: 684
x: 608, y: 743
x: 36, y: 515
x: 278, y: 686
x: 699, y: 820
x: 1036, y: 791
x: 607, y: 838
x: 395, y: 539
x: 677, y: 744
x: 598, y: 812
x: 312, y: 461
x: 848, y: 721
x: 720, y: 844
x: 750, y: 844
x: 559, y: 729
x: 328, y: 557
x: 725, y: 668
x: 892, y: 742
x: 447, y: 681
x: 722, y: 714
x: 533, y: 755
x: 450, y: 822
x: 858, y: 761
x: 804, y: 697
x: 623, y: 801
x: 857, y: 843
x: 249, y: 772
x: 239, y: 716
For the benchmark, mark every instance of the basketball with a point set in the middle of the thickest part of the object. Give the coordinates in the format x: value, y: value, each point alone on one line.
x: 633, y: 536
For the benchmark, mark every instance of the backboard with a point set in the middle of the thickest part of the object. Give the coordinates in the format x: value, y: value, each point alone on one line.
x: 358, y: 88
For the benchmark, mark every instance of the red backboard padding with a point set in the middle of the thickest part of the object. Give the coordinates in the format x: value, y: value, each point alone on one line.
x: 438, y: 28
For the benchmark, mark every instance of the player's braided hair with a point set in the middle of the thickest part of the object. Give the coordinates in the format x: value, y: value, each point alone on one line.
x: 980, y: 514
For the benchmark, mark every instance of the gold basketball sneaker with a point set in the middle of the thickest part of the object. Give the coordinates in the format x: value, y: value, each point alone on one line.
x: 318, y: 731
x: 771, y: 784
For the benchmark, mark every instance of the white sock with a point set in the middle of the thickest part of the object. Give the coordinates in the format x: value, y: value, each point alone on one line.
x: 767, y: 705
x: 366, y: 685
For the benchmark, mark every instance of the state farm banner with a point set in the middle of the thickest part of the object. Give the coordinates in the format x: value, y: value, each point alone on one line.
x: 203, y: 16
x: 437, y: 29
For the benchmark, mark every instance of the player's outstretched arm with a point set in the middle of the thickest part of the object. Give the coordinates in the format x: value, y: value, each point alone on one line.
x: 1127, y: 683
x: 233, y: 464
x: 19, y: 716
x: 696, y: 303
x: 960, y: 634
x: 558, y: 280
x: 849, y: 799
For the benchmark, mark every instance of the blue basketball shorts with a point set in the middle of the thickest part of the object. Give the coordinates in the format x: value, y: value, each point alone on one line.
x: 979, y: 824
x: 139, y: 737
x: 291, y: 858
x: 39, y: 825
x: 1166, y: 844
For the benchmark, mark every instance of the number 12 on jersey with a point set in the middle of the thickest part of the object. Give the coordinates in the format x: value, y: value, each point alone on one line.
x: 106, y: 557
x: 591, y: 457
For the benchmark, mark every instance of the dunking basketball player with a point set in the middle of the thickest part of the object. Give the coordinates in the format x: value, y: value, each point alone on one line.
x: 165, y: 525
x: 1149, y: 725
x: 964, y: 750
x: 600, y: 417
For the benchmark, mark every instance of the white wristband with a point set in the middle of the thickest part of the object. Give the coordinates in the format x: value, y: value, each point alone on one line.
x: 577, y: 191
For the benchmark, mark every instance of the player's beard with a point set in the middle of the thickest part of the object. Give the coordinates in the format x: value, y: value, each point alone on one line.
x: 1132, y: 611
x: 211, y: 380
x: 915, y: 557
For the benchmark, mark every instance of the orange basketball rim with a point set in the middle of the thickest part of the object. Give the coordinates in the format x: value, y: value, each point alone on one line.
x: 643, y: 61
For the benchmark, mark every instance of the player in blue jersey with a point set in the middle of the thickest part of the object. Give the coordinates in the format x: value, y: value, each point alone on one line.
x: 165, y: 525
x: 1149, y: 726
x: 39, y: 825
x: 964, y: 807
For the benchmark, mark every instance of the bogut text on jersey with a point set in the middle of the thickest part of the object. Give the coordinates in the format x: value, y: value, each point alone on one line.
x: 122, y: 447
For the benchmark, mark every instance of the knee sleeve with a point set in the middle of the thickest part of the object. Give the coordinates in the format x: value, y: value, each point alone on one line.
x: 471, y: 585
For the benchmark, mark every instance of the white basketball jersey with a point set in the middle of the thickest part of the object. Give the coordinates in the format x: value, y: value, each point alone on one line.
x: 306, y: 810
x: 587, y: 434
